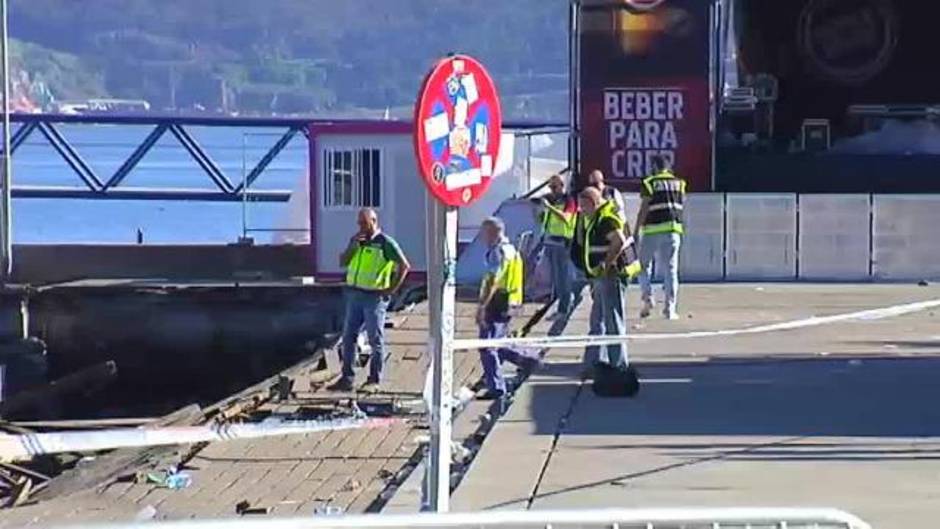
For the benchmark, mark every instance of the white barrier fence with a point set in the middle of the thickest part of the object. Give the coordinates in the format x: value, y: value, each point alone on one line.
x: 787, y: 236
x: 714, y: 518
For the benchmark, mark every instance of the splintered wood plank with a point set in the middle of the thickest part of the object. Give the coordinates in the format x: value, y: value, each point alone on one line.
x: 293, y: 475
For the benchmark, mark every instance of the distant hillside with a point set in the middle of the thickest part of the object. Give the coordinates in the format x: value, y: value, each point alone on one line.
x: 290, y: 56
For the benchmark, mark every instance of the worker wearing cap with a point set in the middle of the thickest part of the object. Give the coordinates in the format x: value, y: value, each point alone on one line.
x: 501, y: 290
x: 660, y: 221
x: 376, y: 268
x: 559, y: 210
x: 604, y: 250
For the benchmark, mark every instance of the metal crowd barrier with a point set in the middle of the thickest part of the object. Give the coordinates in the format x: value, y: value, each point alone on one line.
x: 711, y: 518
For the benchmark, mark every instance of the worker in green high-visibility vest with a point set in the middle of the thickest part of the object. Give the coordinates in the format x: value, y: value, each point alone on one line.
x: 376, y: 268
x: 605, y: 251
x: 559, y: 211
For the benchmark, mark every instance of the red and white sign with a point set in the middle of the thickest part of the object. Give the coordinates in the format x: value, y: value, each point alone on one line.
x: 644, y: 90
x: 458, y: 126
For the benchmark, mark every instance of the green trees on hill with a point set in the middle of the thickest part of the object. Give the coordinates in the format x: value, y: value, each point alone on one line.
x: 294, y: 55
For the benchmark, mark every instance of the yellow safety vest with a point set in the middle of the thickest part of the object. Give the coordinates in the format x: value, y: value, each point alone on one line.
x: 510, y: 276
x: 596, y: 245
x: 666, y: 194
x: 369, y: 269
x: 557, y: 223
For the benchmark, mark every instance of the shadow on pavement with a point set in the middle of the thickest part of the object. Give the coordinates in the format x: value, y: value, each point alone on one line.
x: 809, y: 398
x: 792, y: 410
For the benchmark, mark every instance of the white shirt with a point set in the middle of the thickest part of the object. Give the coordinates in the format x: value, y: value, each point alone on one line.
x: 612, y: 193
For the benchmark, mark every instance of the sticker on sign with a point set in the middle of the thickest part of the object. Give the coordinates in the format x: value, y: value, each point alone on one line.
x: 458, y: 126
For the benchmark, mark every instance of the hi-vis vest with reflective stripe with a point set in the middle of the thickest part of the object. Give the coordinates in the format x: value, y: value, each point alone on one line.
x: 667, y: 197
x: 369, y: 269
x: 509, y: 278
x: 596, y: 245
x: 558, y: 222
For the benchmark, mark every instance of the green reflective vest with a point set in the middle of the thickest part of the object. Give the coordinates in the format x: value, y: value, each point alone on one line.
x: 596, y: 245
x: 509, y: 278
x: 666, y: 195
x: 369, y: 269
x: 557, y: 222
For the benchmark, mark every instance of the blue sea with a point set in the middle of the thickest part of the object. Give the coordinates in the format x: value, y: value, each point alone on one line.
x: 167, y: 165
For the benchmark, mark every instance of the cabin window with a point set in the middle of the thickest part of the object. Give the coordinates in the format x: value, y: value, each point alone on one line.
x: 352, y: 178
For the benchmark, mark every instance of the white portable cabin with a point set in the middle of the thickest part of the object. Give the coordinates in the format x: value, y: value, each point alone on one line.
x: 372, y: 164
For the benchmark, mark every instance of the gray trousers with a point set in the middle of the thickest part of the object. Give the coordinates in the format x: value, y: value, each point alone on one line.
x: 607, y: 318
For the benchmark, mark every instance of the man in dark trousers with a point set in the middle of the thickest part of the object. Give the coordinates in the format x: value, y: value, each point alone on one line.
x: 501, y: 291
x: 376, y: 268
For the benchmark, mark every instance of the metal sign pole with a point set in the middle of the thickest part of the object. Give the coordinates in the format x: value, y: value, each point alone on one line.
x: 6, y: 241
x: 574, y: 92
x: 442, y: 293
x: 453, y: 180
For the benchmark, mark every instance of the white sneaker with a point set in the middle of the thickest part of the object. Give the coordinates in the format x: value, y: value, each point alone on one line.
x: 671, y: 314
x: 647, y: 309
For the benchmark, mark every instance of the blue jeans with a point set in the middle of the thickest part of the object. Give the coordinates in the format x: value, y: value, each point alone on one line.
x: 493, y: 357
x: 558, y: 259
x: 364, y: 308
x: 607, y: 318
x: 663, y: 248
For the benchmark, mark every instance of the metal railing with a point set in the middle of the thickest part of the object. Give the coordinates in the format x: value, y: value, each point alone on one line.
x: 112, y: 186
x: 712, y: 518
x: 92, y: 185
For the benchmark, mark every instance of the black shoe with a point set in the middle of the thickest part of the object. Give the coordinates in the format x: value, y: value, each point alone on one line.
x: 343, y: 384
x: 529, y: 366
x: 491, y: 395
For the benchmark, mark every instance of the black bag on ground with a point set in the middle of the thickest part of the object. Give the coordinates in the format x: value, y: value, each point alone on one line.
x: 610, y: 381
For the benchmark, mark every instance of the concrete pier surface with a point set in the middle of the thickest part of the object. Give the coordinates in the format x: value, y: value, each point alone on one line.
x: 842, y: 414
x: 838, y: 412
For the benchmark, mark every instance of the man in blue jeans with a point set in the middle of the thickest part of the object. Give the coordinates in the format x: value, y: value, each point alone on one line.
x: 375, y: 269
x: 559, y: 210
x: 661, y: 226
x: 501, y: 290
x: 606, y: 254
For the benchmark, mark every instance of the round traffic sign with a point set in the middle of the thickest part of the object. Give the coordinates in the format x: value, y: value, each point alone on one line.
x: 458, y: 125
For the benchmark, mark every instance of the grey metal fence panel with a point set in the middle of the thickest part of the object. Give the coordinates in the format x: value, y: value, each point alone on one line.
x: 834, y: 237
x: 906, y: 244
x: 761, y: 236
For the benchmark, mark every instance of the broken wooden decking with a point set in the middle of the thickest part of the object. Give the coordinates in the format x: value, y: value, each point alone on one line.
x: 353, y: 470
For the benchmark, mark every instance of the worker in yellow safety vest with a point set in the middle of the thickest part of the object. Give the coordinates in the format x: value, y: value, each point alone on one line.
x: 660, y: 221
x: 376, y: 268
x: 604, y: 250
x: 559, y: 211
x: 500, y: 291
